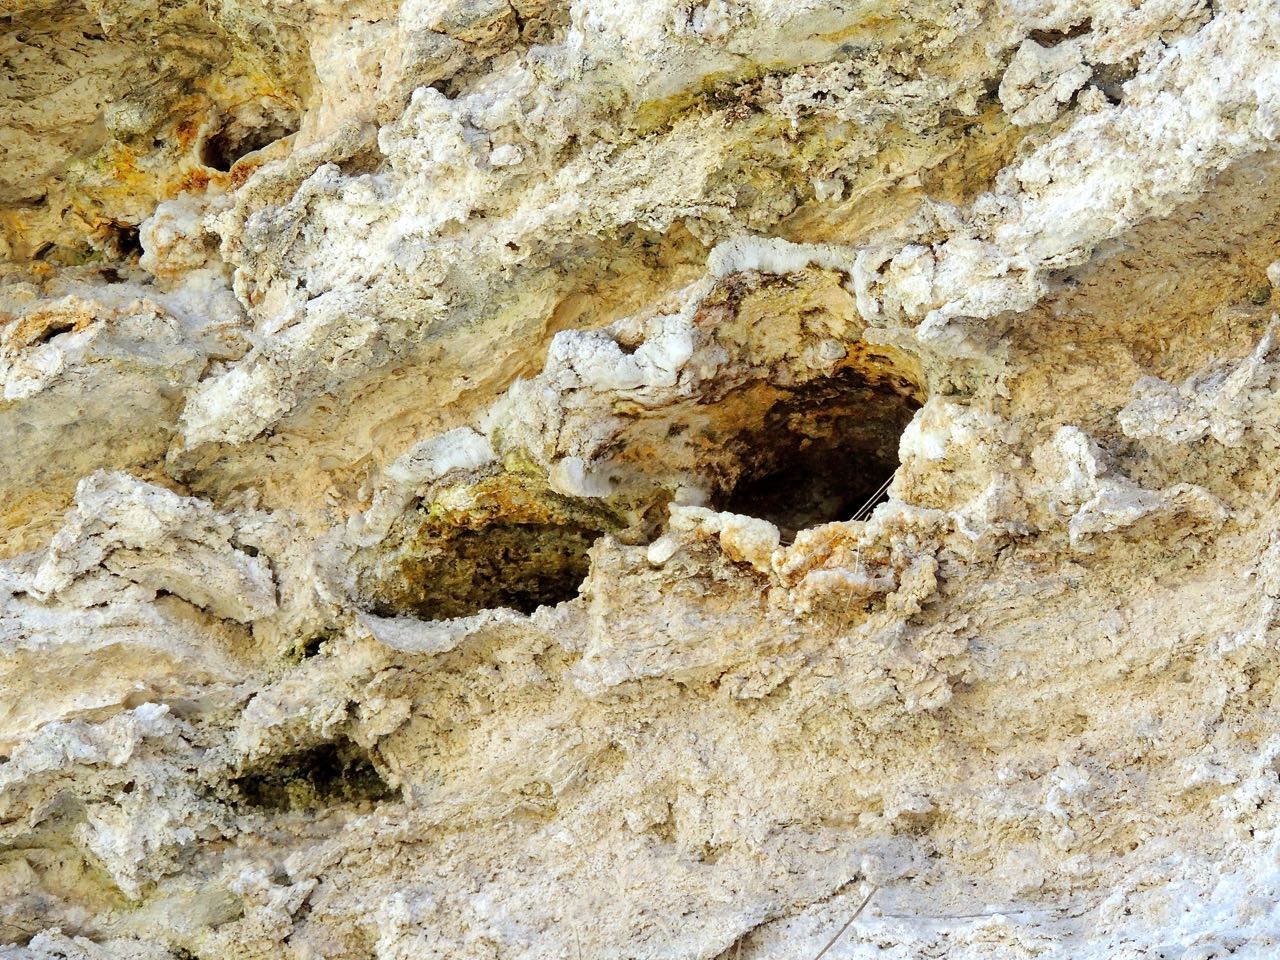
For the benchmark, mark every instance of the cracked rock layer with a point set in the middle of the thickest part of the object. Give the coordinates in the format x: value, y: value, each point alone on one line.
x: 539, y: 479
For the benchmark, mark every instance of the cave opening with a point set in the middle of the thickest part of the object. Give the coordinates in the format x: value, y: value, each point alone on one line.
x: 825, y: 452
x: 121, y: 241
x: 223, y: 149
x: 55, y: 329
x: 325, y: 775
x: 460, y: 571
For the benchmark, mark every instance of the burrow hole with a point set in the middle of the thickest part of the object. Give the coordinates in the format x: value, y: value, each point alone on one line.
x: 322, y: 776
x: 55, y: 329
x: 447, y: 573
x: 120, y: 241
x: 1051, y: 38
x: 826, y: 452
x: 823, y: 452
x: 251, y: 128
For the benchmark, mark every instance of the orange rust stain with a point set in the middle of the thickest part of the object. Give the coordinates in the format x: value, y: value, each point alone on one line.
x: 191, y: 113
x: 195, y: 179
x: 241, y: 171
x: 185, y: 133
x: 59, y: 318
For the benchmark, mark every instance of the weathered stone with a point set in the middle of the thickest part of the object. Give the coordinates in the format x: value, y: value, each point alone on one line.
x: 602, y: 479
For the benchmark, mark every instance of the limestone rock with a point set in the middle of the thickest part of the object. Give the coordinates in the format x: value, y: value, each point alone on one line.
x: 599, y: 479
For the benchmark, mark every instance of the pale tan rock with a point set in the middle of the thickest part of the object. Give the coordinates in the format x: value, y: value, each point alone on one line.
x: 584, y: 478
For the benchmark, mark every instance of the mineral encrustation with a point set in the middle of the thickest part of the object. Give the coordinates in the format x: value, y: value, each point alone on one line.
x: 639, y: 479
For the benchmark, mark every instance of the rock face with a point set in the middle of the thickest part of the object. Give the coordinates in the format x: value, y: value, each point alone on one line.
x: 614, y: 479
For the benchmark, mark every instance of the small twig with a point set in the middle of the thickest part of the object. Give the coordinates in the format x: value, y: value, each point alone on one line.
x: 848, y: 923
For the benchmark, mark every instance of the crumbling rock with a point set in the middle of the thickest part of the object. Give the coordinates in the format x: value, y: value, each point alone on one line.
x: 539, y: 479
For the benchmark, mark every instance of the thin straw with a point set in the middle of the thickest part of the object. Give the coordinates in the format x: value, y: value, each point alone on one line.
x: 847, y: 924
x: 865, y: 508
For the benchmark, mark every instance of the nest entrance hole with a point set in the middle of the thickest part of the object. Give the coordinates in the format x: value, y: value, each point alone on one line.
x: 323, y: 776
x: 826, y: 452
x: 521, y: 566
x: 240, y: 135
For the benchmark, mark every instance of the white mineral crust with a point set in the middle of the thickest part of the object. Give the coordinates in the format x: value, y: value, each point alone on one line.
x: 633, y: 479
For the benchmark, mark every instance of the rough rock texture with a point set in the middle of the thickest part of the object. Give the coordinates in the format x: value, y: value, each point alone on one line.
x: 631, y: 478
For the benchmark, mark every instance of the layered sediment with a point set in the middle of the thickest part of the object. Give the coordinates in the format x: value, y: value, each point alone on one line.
x: 536, y: 479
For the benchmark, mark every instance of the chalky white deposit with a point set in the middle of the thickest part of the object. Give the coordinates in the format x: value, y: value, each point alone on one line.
x: 435, y: 443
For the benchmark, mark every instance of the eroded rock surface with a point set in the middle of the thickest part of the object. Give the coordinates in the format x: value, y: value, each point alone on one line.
x: 578, y: 479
